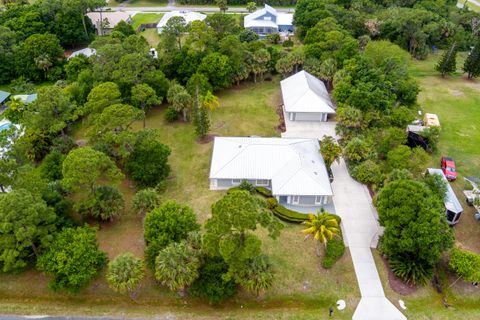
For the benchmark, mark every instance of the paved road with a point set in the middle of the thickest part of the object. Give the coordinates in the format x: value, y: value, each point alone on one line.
x: 173, y: 6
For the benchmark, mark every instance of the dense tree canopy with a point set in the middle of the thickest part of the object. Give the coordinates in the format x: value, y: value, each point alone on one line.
x: 229, y: 232
x: 416, y: 232
x: 27, y: 227
x: 73, y: 259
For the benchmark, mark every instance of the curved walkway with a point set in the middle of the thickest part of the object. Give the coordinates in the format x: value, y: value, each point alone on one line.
x: 360, y: 227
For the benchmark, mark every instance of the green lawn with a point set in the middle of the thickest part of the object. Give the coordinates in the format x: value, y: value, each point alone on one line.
x: 144, y: 18
x: 245, y: 110
x: 141, y: 3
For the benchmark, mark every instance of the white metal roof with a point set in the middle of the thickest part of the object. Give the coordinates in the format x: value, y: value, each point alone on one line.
x: 302, y: 92
x: 285, y: 19
x: 295, y: 166
x: 451, y: 202
x: 87, y: 52
x: 189, y: 16
x: 252, y: 19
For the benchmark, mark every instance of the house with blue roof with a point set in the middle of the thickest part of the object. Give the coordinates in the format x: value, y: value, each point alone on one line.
x: 267, y: 21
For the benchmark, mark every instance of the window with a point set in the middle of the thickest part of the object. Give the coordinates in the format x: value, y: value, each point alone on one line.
x: 263, y: 183
x: 295, y: 199
x: 236, y: 181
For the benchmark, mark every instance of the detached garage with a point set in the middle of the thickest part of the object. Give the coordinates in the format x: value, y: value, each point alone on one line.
x: 305, y: 98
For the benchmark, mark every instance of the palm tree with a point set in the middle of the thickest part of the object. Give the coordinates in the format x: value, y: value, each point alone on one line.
x: 323, y: 226
x: 328, y: 68
x: 177, y: 266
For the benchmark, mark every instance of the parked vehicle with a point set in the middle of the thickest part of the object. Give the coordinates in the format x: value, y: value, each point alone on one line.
x: 472, y: 194
x: 449, y: 169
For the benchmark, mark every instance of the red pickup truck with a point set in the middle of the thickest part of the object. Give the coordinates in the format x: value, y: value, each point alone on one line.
x: 448, y: 168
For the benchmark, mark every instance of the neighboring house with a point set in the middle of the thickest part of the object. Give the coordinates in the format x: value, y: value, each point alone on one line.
x: 267, y: 21
x: 305, y: 98
x: 293, y: 169
x: 4, y: 97
x: 105, y: 21
x: 26, y: 98
x: 87, y: 52
x: 453, y: 208
x: 189, y: 17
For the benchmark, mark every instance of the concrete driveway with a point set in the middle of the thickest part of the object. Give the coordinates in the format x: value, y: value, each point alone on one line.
x: 359, y: 224
x: 308, y: 129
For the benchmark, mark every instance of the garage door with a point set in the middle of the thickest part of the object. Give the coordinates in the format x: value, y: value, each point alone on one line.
x: 304, y: 116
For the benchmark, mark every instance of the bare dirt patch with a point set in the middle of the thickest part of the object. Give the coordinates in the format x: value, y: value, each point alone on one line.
x: 281, y: 126
x: 207, y: 138
x: 397, y: 284
x: 456, y: 93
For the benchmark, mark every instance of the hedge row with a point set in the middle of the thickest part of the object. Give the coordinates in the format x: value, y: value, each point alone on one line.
x: 335, y: 248
x: 289, y: 215
x: 264, y: 191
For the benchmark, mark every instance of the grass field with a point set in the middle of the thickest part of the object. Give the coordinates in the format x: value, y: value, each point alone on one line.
x: 302, y: 289
x: 144, y: 18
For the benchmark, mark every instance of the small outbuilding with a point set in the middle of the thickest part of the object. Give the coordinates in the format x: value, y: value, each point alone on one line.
x: 188, y: 16
x: 305, y: 98
x: 453, y: 208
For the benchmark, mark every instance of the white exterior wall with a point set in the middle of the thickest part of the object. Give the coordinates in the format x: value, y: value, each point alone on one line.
x: 307, y: 116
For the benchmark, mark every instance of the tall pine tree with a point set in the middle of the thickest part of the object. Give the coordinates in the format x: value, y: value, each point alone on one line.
x: 472, y: 63
x: 448, y: 61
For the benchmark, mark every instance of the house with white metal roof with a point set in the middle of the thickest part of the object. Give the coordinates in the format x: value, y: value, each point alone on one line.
x: 267, y: 20
x: 305, y: 98
x: 453, y: 208
x: 293, y: 169
x: 87, y: 52
x: 188, y: 16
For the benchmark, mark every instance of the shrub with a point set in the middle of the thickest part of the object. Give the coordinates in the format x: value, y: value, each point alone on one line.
x: 287, y: 43
x: 264, y: 191
x: 73, y: 259
x: 145, y: 201
x: 289, y: 215
x: 171, y: 222
x: 368, y: 172
x: 125, y: 274
x: 334, y: 251
x: 413, y: 272
x: 247, y: 186
x: 211, y: 284
x: 271, y: 203
x: 466, y: 264
x: 148, y: 165
x: 273, y: 38
x: 171, y: 115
